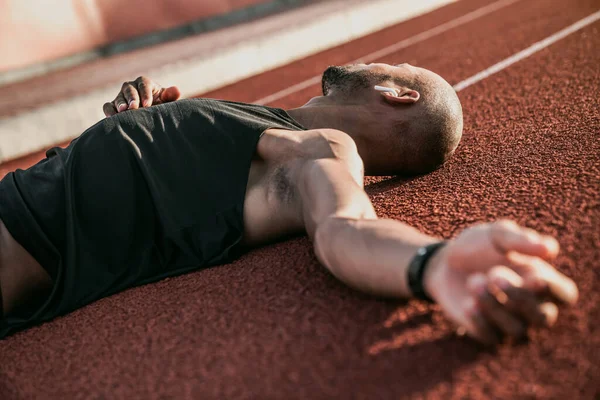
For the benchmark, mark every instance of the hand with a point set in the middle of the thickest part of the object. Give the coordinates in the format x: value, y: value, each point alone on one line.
x: 141, y: 91
x: 495, y: 280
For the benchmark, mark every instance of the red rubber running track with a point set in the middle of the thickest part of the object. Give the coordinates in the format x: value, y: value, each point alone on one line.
x: 276, y: 325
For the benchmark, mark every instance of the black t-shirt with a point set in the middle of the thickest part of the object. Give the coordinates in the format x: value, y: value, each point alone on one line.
x: 138, y: 197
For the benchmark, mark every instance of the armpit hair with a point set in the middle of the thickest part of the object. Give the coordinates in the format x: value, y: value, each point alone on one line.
x: 281, y: 186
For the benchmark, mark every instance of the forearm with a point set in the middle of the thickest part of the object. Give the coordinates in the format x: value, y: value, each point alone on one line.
x: 371, y: 255
x: 367, y: 253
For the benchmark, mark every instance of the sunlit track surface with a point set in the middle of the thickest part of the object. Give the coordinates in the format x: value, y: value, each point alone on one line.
x: 275, y: 325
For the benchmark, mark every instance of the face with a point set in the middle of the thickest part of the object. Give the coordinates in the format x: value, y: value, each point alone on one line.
x: 353, y: 79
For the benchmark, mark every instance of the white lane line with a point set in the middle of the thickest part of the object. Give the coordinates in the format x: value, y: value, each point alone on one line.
x: 473, y: 15
x: 534, y: 48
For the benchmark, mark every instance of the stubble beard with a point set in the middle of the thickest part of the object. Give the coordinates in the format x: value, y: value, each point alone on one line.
x: 346, y: 81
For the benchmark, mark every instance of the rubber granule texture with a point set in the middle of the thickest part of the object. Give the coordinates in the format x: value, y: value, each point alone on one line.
x: 276, y: 325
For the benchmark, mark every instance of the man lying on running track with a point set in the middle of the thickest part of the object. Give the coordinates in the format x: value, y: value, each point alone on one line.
x: 151, y: 192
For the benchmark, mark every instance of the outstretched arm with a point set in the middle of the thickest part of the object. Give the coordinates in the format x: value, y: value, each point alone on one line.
x: 365, y: 252
x: 492, y: 278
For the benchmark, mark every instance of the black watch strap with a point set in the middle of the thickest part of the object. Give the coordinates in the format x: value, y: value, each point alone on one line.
x: 416, y: 270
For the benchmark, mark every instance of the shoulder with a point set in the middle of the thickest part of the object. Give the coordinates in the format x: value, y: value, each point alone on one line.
x: 344, y: 150
x: 339, y: 148
x: 307, y: 145
x: 340, y: 143
x: 291, y: 153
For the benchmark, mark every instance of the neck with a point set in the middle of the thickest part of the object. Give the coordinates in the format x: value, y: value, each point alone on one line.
x: 325, y: 113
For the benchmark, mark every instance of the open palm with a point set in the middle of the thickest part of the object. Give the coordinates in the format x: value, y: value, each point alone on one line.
x: 495, y: 279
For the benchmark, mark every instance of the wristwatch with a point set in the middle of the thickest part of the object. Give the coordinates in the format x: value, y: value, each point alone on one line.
x: 416, y: 270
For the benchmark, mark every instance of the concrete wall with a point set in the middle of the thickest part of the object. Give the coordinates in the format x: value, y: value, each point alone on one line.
x: 34, y: 31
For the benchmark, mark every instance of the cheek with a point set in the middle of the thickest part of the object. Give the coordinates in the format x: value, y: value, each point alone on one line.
x: 334, y: 74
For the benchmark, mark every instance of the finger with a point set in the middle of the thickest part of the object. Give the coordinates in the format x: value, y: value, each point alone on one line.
x: 478, y: 327
x: 507, y: 236
x: 550, y: 312
x: 109, y: 109
x: 170, y: 94
x: 490, y: 302
x: 520, y: 301
x: 120, y: 103
x: 146, y: 88
x: 543, y: 279
x: 131, y: 96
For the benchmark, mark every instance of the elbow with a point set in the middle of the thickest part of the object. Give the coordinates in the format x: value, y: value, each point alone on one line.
x: 329, y: 241
x: 322, y: 240
x: 330, y: 237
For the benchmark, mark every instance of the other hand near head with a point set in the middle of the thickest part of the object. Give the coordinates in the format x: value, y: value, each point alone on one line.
x: 495, y: 280
x: 141, y: 92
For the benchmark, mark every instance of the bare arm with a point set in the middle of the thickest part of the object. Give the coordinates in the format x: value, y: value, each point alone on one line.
x: 492, y: 278
x: 365, y: 252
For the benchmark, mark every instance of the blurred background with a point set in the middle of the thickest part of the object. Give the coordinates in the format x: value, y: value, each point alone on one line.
x: 37, y: 34
x: 63, y: 59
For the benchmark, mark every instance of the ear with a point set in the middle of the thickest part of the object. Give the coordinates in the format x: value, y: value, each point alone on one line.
x: 402, y: 96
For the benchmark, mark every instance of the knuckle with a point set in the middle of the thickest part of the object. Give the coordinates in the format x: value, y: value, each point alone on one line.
x: 505, y: 278
x: 144, y: 82
x: 537, y: 271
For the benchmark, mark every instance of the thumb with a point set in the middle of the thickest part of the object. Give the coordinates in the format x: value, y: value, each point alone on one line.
x: 507, y: 236
x: 170, y: 94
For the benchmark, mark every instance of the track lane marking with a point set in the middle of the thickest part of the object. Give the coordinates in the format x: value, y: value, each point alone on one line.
x: 534, y: 48
x: 420, y: 37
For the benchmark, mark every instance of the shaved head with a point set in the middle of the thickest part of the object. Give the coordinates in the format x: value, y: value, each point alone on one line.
x: 413, y: 137
x: 430, y: 133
